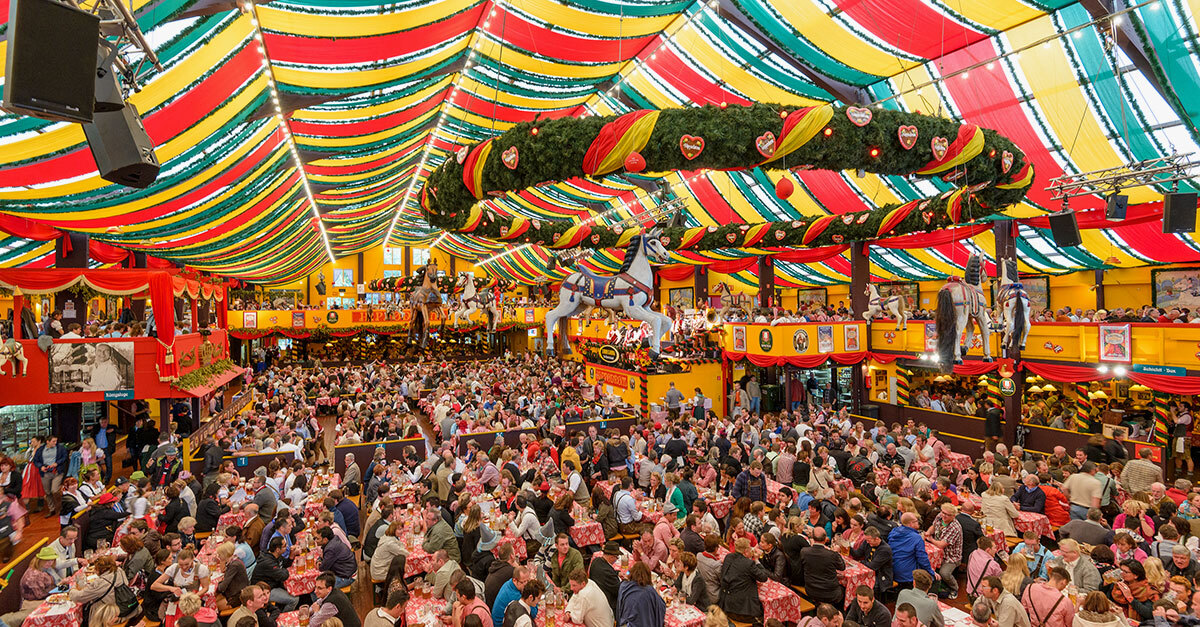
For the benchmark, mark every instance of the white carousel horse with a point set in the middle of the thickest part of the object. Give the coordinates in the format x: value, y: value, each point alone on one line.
x: 11, y: 350
x: 1014, y: 307
x: 894, y: 304
x: 960, y: 302
x: 731, y: 301
x: 631, y: 290
x: 472, y: 301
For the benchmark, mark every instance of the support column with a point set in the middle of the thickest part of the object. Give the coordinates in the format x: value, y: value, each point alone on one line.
x: 700, y: 281
x: 766, y: 281
x: 1100, y: 289
x: 1005, y: 232
x: 860, y: 275
x: 71, y: 251
x: 903, y: 387
x: 195, y: 325
x: 1082, y: 404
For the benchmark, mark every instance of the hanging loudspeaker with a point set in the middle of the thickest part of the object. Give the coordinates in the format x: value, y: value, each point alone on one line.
x: 1179, y: 213
x: 1116, y: 205
x: 1064, y: 229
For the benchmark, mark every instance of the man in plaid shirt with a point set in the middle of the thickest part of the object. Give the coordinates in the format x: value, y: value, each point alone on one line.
x: 946, y: 534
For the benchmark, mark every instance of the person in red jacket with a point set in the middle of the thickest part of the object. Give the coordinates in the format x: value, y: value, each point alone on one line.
x: 1058, y: 508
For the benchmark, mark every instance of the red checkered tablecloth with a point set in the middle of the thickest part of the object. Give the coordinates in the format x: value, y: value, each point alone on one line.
x: 959, y: 461
x: 605, y: 487
x: 687, y: 615
x: 1033, y: 521
x: 936, y: 555
x: 587, y: 534
x: 773, y: 487
x: 518, y: 545
x: 303, y: 578
x: 236, y: 519
x: 67, y: 614
x: 423, y: 610
x: 720, y: 507
x: 854, y: 575
x: 288, y: 619
x: 780, y: 602
x: 997, y: 536
x: 419, y: 561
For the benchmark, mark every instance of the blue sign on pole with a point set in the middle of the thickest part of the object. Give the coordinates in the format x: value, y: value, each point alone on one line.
x: 1170, y: 371
x: 242, y: 461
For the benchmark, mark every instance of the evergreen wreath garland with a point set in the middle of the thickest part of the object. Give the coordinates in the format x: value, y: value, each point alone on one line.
x: 990, y: 171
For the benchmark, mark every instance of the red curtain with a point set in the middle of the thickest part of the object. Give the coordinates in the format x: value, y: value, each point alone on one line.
x: 811, y: 255
x: 105, y: 253
x: 159, y: 263
x: 28, y: 229
x: 936, y: 238
x: 733, y: 265
x: 972, y: 368
x: 1160, y: 382
x: 883, y: 358
x: 1169, y: 384
x: 676, y: 273
x: 800, y: 361
x: 1095, y: 218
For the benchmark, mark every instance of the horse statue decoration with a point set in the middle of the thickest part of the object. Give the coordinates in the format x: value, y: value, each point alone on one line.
x: 472, y: 300
x: 424, y: 300
x: 11, y: 350
x: 960, y: 301
x: 631, y: 290
x: 894, y: 303
x: 1014, y: 307
x: 730, y: 302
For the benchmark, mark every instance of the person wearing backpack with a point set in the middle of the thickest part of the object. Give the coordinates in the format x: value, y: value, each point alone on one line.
x: 109, y: 586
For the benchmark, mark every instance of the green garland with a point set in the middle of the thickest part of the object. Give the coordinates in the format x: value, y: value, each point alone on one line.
x: 201, y: 376
x: 556, y: 153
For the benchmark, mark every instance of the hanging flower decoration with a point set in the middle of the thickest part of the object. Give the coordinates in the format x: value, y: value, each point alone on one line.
x: 761, y: 135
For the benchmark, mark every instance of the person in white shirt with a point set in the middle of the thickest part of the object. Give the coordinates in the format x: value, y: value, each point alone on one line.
x: 72, y: 332
x: 390, y: 614
x: 588, y: 605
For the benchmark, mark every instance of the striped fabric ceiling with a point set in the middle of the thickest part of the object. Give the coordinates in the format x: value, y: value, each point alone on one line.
x: 376, y: 95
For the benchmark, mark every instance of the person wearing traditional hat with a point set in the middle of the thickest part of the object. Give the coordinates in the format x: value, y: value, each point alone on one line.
x: 165, y: 469
x: 104, y: 520
x: 38, y: 581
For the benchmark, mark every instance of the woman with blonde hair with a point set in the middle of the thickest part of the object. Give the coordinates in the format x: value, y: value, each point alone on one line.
x: 715, y: 617
x: 191, y: 605
x: 998, y: 511
x: 1016, y: 577
x: 1156, y: 575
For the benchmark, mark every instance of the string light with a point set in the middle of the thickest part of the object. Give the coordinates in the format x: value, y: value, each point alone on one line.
x: 249, y: 9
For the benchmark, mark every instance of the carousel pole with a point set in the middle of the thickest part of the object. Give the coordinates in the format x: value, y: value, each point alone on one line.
x: 1083, y: 421
x: 903, y: 386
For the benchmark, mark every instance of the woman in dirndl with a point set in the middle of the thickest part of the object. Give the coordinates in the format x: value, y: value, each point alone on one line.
x: 31, y: 478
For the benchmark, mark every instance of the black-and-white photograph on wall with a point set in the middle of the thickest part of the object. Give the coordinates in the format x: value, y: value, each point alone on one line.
x: 91, y: 367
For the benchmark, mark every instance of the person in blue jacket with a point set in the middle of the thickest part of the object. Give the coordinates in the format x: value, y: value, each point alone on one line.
x: 1030, y: 497
x: 1038, y: 556
x: 908, y: 550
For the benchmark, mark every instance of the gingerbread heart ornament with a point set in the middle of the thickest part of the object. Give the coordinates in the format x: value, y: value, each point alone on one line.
x: 766, y: 144
x: 461, y: 155
x: 940, y: 146
x: 837, y: 238
x: 859, y: 116
x: 1006, y: 161
x: 848, y: 219
x: 691, y: 146
x: 927, y: 216
x: 907, y: 136
x: 510, y: 158
x: 730, y: 237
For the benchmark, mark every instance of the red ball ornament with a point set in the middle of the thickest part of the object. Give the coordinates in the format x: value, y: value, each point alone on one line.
x: 784, y: 188
x: 635, y: 162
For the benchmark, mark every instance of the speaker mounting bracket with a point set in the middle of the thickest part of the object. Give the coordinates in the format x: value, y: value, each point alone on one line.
x: 1158, y: 171
x: 133, y: 57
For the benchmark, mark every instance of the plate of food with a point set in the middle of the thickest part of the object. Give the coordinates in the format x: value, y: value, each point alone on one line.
x: 60, y: 597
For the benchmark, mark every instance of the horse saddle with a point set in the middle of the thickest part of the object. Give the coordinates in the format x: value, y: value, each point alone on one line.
x: 597, y: 286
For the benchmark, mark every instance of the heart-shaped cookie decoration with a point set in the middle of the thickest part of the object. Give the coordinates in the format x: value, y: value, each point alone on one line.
x: 940, y: 146
x: 797, y: 224
x: 618, y: 229
x: 953, y: 175
x: 765, y: 144
x: 503, y: 232
x: 779, y: 235
x: 665, y: 241
x: 744, y: 227
x: 837, y: 238
x: 927, y: 216
x: 595, y: 238
x: 691, y: 146
x: 848, y: 219
x: 859, y: 116
x: 731, y: 237
x: 863, y: 218
x: 461, y: 155
x: 712, y: 229
x: 907, y: 136
x: 924, y: 203
x: 510, y: 157
x: 1006, y: 161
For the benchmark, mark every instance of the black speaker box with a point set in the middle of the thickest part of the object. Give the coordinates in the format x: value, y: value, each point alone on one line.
x: 1064, y: 229
x: 1116, y: 206
x: 1179, y: 213
x: 50, y: 69
x: 108, y: 86
x: 123, y: 151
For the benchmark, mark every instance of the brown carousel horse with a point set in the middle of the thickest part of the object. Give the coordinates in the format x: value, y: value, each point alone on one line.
x: 424, y: 301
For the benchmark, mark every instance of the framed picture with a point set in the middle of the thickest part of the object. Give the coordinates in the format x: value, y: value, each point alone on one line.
x: 1121, y: 389
x: 249, y: 319
x: 1178, y: 287
x: 682, y: 297
x: 343, y: 277
x: 930, y: 337
x: 1116, y: 343
x: 825, y: 338
x: 811, y: 295
x: 93, y: 367
x: 910, y: 290
x: 850, y: 337
x: 739, y: 339
x: 766, y: 341
x: 800, y: 341
x: 1038, y: 288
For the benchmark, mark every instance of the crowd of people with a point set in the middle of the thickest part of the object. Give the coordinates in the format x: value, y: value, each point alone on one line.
x: 693, y: 519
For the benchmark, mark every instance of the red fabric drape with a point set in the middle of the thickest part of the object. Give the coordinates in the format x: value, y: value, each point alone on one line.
x: 883, y: 358
x: 28, y: 229
x: 733, y: 265
x: 105, y: 253
x: 118, y: 281
x: 676, y: 273
x: 1095, y: 218
x: 1160, y: 382
x: 925, y: 240
x: 972, y: 368
x: 158, y: 263
x: 800, y: 361
x: 1169, y: 384
x: 811, y: 255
